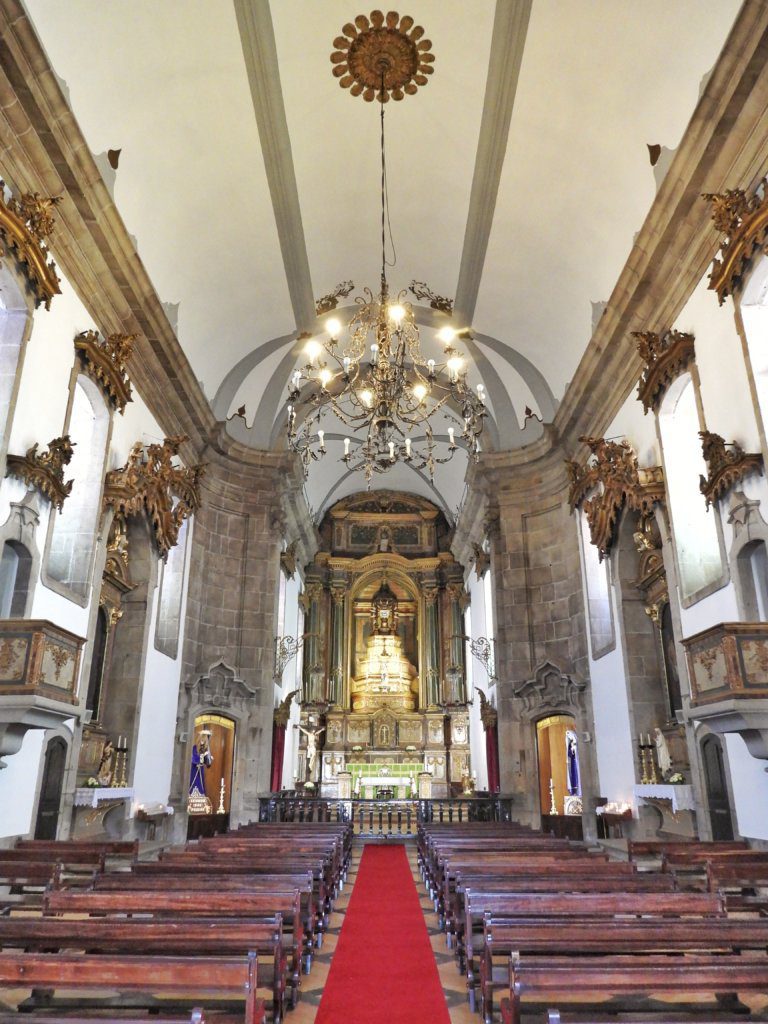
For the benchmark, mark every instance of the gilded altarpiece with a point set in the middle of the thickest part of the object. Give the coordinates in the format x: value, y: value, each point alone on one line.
x: 384, y: 672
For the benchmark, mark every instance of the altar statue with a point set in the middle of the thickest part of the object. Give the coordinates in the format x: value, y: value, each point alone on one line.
x: 202, y: 758
x: 385, y: 675
x: 663, y: 758
x: 572, y: 758
x: 312, y: 737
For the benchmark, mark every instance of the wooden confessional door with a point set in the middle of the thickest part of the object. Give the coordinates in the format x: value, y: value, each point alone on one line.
x: 50, y: 789
x: 717, y: 790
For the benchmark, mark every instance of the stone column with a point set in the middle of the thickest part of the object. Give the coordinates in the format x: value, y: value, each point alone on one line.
x: 431, y: 646
x: 338, y: 614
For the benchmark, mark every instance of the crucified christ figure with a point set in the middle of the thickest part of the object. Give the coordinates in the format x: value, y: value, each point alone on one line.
x: 312, y: 737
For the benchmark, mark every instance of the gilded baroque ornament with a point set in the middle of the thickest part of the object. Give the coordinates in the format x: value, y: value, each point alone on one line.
x: 666, y: 356
x: 150, y: 481
x: 489, y: 716
x: 726, y: 465
x: 283, y: 710
x: 622, y: 483
x: 45, y: 471
x: 104, y: 360
x: 26, y: 222
x: 382, y: 57
x: 743, y: 221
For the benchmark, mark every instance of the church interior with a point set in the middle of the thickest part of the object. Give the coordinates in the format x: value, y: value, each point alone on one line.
x: 383, y: 511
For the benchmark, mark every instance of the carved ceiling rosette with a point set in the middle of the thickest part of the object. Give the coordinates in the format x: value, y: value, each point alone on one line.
x: 743, y: 221
x: 104, y: 359
x: 150, y: 482
x: 666, y: 356
x: 618, y: 482
x: 726, y: 465
x: 26, y: 222
x: 45, y: 472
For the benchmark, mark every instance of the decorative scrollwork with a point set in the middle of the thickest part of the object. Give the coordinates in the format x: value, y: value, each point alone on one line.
x: 149, y: 481
x: 421, y: 290
x: 622, y: 483
x: 286, y: 649
x: 45, y: 472
x: 725, y: 468
x: 481, y: 648
x: 666, y: 356
x: 26, y: 222
x: 104, y: 360
x: 743, y: 221
x: 330, y: 301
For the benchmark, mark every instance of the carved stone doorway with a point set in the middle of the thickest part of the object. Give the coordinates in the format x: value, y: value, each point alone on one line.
x: 716, y: 786
x: 47, y: 823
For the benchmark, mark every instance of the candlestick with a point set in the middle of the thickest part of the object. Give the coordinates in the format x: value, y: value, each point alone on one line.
x: 552, y: 804
x: 220, y: 809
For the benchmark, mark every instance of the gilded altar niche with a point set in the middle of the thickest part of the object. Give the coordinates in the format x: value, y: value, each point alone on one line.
x: 383, y: 658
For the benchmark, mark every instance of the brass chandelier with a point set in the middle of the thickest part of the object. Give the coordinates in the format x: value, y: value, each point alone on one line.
x: 371, y: 376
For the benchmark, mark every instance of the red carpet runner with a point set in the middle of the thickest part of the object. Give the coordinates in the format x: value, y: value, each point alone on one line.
x: 383, y: 970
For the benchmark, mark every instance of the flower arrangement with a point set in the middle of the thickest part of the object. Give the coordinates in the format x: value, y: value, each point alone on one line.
x: 92, y: 782
x: 676, y: 779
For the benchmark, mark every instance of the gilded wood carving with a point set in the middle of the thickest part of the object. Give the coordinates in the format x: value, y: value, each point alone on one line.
x: 45, y: 472
x: 666, y: 356
x: 488, y: 713
x: 421, y: 290
x: 149, y: 481
x: 104, y: 359
x: 26, y: 222
x: 617, y: 481
x: 382, y: 57
x: 743, y: 221
x: 725, y: 467
x: 330, y: 301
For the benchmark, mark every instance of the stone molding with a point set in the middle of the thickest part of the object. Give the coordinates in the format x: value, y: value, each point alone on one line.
x: 742, y: 221
x: 550, y: 690
x: 26, y: 222
x: 45, y: 472
x: 666, y: 356
x: 103, y: 359
x: 149, y: 481
x: 725, y: 468
x: 622, y: 484
x: 221, y: 687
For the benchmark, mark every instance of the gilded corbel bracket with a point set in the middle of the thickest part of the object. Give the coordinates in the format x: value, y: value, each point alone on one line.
x: 489, y: 716
x: 283, y: 710
x: 666, y: 356
x: 26, y: 222
x: 726, y: 465
x: 150, y: 482
x: 45, y: 472
x: 104, y: 359
x: 615, y: 477
x: 743, y: 222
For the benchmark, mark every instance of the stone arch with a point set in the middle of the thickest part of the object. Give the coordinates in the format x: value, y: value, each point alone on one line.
x: 20, y: 531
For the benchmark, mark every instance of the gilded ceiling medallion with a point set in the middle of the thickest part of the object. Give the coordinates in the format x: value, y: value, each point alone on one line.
x: 380, y: 56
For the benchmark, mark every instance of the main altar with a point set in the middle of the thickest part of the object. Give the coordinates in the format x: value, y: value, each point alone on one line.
x: 383, y: 702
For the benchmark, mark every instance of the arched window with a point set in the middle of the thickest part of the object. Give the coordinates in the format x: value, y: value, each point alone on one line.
x: 74, y: 528
x: 15, y: 571
x: 96, y: 677
x: 597, y: 583
x: 14, y: 319
x: 697, y: 541
x: 171, y: 594
x: 752, y: 567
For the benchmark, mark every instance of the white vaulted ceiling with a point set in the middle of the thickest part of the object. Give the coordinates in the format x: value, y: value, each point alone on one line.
x: 218, y: 108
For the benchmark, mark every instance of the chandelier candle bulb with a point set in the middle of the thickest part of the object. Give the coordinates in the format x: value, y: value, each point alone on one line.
x: 374, y: 352
x: 408, y: 447
x: 431, y: 367
x: 391, y: 449
x: 446, y: 335
x: 347, y: 362
x: 333, y: 326
x: 396, y: 314
x: 346, y: 446
x: 321, y: 438
x: 450, y: 435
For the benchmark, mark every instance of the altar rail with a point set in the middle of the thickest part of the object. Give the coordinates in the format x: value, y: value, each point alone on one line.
x: 385, y: 819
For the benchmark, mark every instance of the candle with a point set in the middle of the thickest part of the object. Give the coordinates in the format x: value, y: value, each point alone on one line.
x: 321, y: 436
x: 450, y: 435
x: 408, y: 446
x: 431, y: 366
x: 648, y: 739
x: 347, y: 362
x: 346, y: 446
x: 391, y: 449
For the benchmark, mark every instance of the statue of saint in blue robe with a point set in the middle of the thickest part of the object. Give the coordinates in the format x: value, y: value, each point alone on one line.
x: 201, y: 759
x: 572, y: 755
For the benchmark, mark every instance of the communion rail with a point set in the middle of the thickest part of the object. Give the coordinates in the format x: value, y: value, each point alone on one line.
x: 385, y: 819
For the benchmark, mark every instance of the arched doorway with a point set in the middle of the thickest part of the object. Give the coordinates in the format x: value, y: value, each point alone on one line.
x: 716, y: 787
x: 55, y: 762
x: 213, y: 755
x: 559, y: 775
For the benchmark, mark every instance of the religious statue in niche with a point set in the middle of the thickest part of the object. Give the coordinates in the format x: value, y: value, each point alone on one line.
x: 312, y: 734
x: 573, y: 780
x: 202, y: 758
x: 663, y: 758
x: 106, y: 764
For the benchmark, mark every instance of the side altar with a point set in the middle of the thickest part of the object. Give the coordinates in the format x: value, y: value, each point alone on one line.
x: 384, y: 675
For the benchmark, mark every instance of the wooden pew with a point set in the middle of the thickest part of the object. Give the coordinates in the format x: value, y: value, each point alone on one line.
x: 182, y: 977
x: 503, y: 936
x: 219, y: 906
x: 596, y: 905
x: 655, y: 848
x: 538, y: 978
